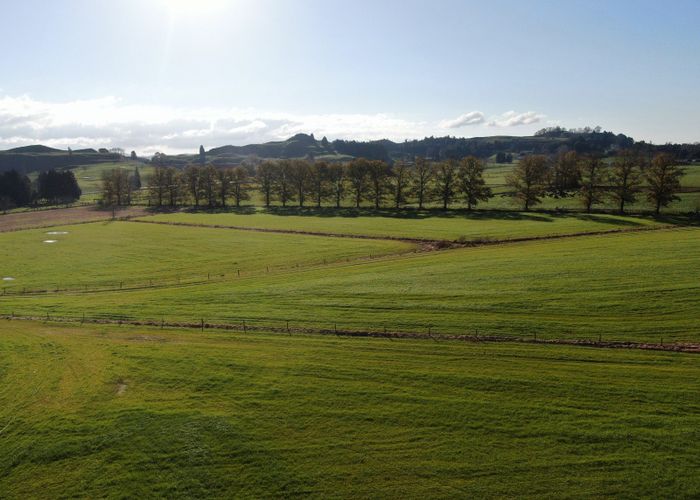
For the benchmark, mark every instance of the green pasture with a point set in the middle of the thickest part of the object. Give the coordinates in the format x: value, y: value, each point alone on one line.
x: 639, y: 286
x: 435, y: 225
x: 107, y: 253
x: 121, y: 412
x: 89, y: 177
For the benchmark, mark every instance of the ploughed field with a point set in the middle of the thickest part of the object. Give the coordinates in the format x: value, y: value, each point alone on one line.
x: 108, y: 411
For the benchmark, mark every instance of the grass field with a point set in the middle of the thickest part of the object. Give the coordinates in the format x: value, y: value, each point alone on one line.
x: 413, y: 224
x: 89, y: 177
x: 107, y: 253
x: 632, y: 286
x: 125, y: 412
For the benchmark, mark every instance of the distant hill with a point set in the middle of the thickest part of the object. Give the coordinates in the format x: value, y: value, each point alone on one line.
x: 546, y: 141
x: 38, y: 158
x: 38, y: 148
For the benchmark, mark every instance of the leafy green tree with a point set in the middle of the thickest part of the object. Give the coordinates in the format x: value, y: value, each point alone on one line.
x: 471, y: 181
x: 15, y: 189
x: 58, y: 186
x: 663, y: 181
x: 528, y: 180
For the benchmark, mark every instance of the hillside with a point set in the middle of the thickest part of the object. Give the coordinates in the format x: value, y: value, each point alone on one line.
x: 548, y: 141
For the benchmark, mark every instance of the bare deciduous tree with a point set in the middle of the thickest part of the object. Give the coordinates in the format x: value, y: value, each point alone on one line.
x: 471, y: 181
x: 528, y: 180
x: 663, y: 179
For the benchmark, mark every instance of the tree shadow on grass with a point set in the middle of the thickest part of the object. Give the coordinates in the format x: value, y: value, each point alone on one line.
x: 407, y: 213
x: 632, y: 220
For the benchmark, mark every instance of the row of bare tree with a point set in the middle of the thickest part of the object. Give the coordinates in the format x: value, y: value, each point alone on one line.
x: 421, y: 182
x: 594, y: 181
x: 199, y: 184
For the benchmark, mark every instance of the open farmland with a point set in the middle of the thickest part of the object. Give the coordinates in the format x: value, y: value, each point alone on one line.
x: 431, y: 225
x: 611, y: 287
x: 142, y: 412
x: 110, y: 253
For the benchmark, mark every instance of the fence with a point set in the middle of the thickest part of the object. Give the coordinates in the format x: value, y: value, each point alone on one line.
x: 285, y: 327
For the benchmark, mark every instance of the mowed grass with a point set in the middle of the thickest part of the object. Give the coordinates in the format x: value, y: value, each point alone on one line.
x: 434, y: 225
x: 642, y: 286
x: 123, y: 412
x: 107, y: 253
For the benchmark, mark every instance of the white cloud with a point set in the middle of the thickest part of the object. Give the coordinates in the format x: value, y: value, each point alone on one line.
x: 513, y: 119
x: 471, y: 118
x: 110, y: 122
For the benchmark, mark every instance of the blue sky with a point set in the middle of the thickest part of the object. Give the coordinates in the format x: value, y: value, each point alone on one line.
x: 172, y: 74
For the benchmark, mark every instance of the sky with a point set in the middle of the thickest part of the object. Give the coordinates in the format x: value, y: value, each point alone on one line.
x: 169, y: 75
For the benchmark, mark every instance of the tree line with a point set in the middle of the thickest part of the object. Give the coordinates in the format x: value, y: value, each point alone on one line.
x: 594, y: 181
x: 300, y: 182
x: 52, y: 187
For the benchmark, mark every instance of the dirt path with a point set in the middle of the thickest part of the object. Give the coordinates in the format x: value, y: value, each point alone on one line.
x: 425, y: 243
x: 63, y: 216
x: 685, y: 347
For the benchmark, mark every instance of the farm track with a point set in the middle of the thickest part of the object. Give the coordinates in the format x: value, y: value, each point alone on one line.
x: 426, y: 244
x: 682, y: 347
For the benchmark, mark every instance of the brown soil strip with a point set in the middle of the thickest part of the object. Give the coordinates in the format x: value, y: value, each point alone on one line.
x: 685, y: 347
x: 63, y: 216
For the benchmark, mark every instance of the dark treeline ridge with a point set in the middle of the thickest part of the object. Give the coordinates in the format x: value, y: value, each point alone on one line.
x: 51, y: 187
x: 30, y: 159
x: 548, y: 141
x: 593, y: 180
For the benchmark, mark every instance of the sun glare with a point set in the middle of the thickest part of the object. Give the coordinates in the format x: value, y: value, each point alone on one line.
x: 194, y: 7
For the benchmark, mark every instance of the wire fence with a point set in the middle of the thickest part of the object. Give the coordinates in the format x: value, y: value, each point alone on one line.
x: 276, y: 326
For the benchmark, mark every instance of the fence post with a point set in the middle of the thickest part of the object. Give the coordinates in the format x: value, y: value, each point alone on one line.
x: 287, y: 326
x: 239, y: 273
x: 244, y: 327
x: 202, y: 324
